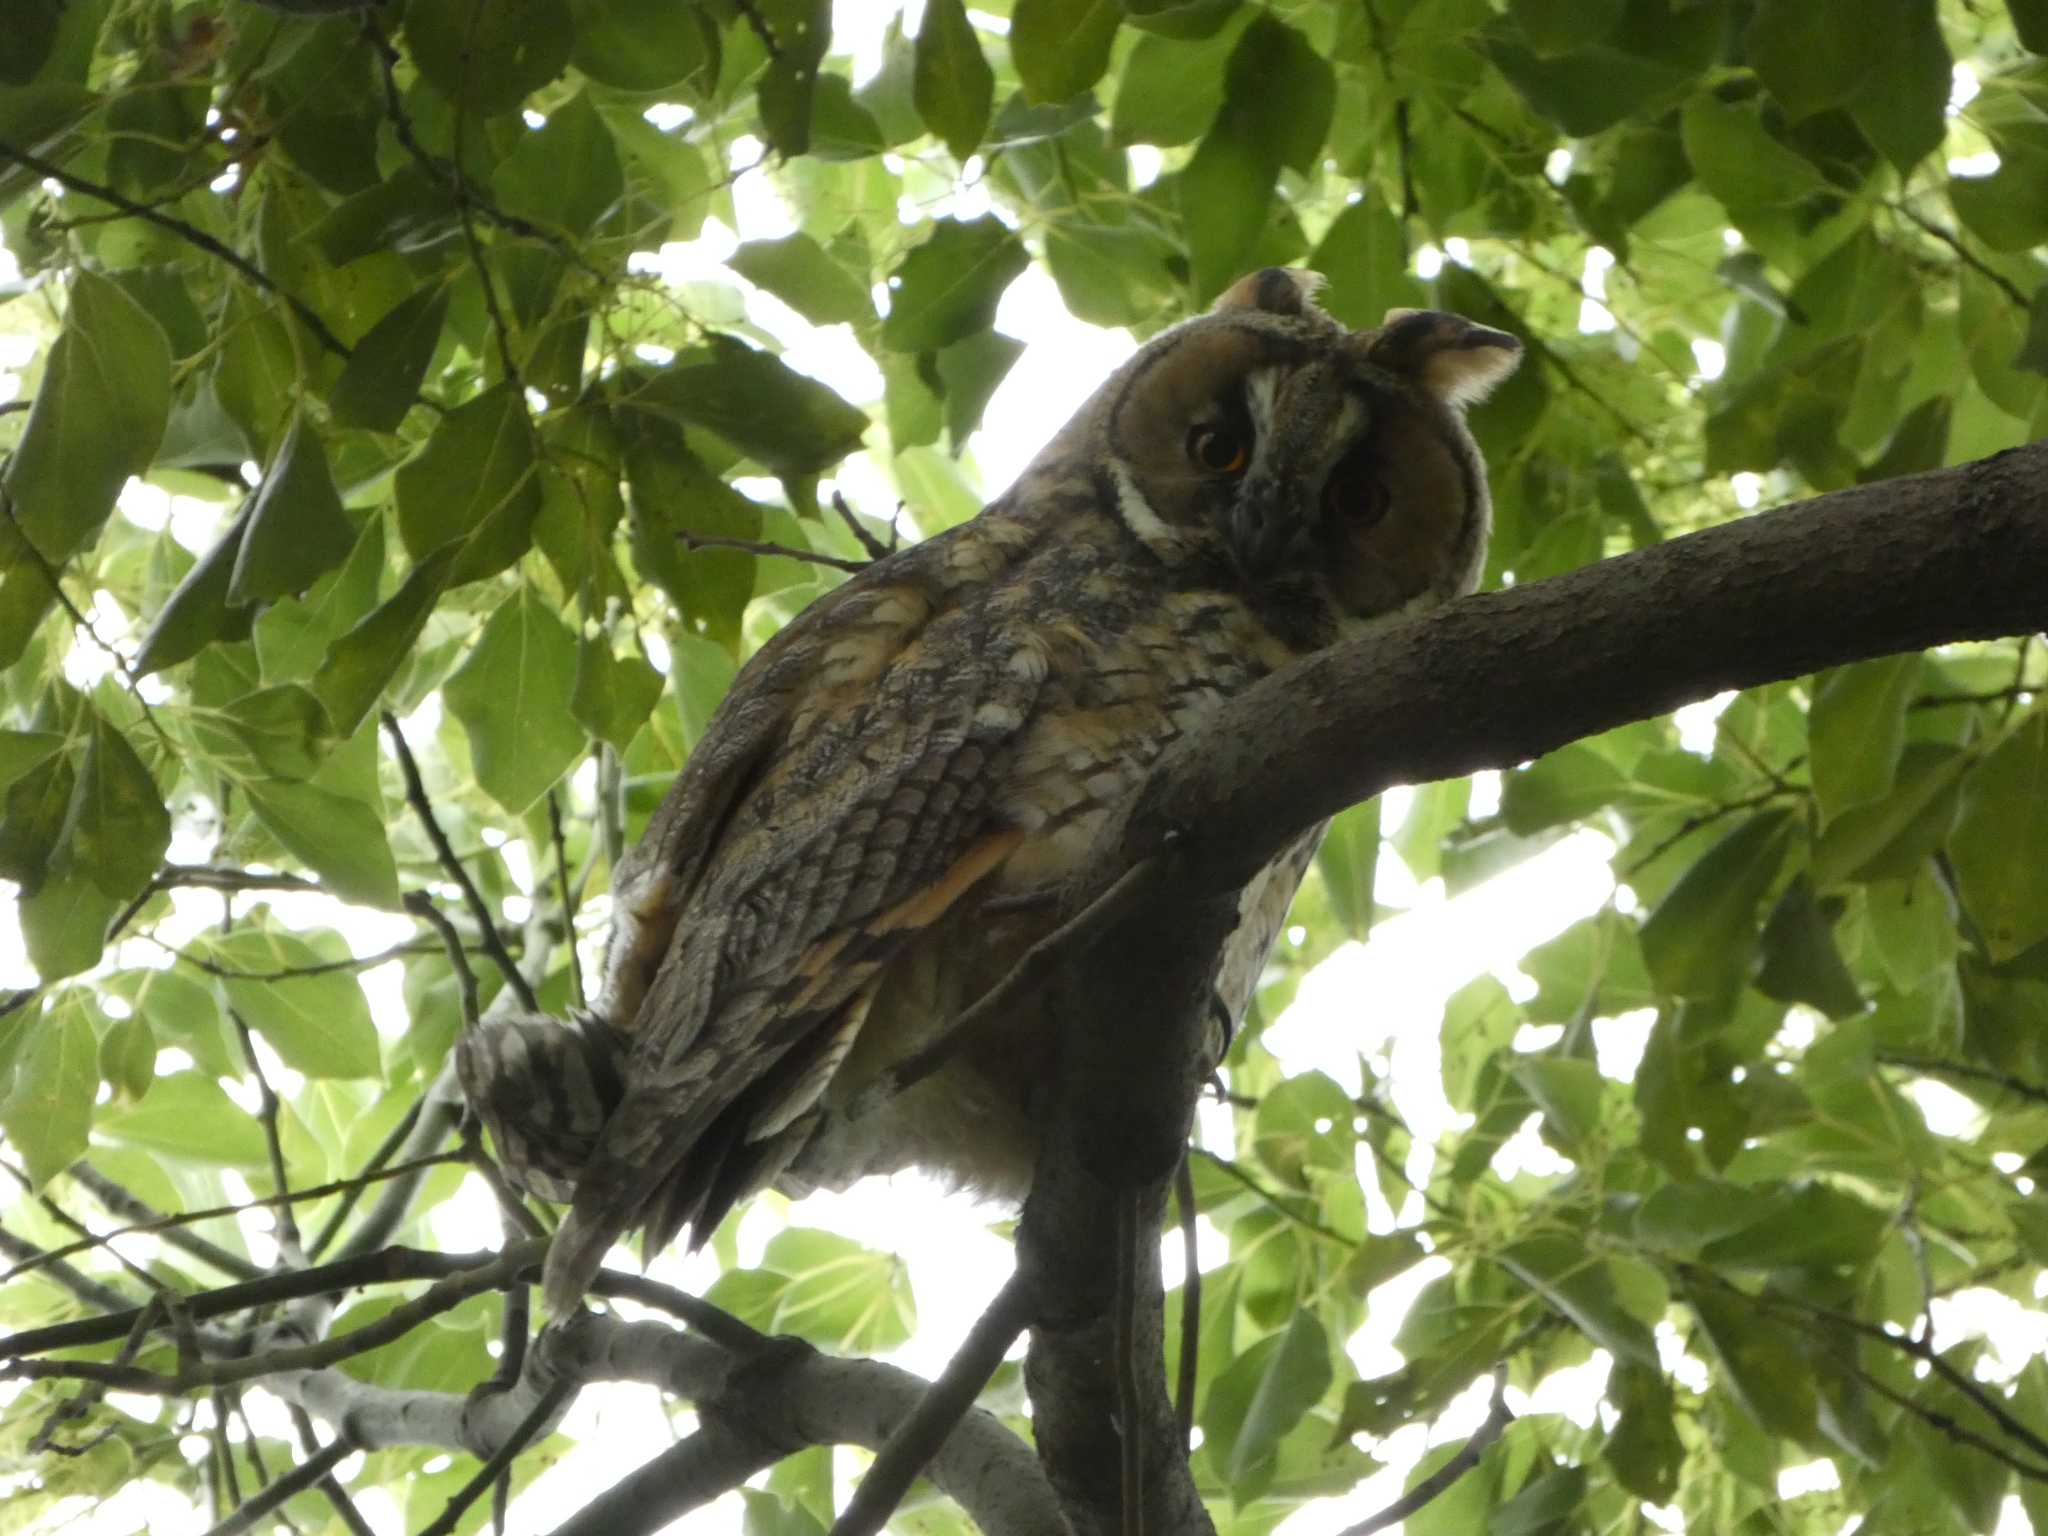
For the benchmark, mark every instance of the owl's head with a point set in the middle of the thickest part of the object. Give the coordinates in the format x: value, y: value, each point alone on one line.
x: 1320, y: 468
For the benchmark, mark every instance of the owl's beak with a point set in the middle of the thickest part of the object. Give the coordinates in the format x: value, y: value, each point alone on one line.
x: 1267, y: 529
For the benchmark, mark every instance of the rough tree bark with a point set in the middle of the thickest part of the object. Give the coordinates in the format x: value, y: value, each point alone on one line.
x: 1488, y: 682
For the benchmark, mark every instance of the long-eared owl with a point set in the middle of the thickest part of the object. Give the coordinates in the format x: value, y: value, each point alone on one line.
x: 874, y: 826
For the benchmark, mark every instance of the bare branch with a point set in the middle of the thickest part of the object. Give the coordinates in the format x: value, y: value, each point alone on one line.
x: 762, y: 547
x: 423, y: 808
x: 918, y: 1438
x: 1498, y: 1418
x: 190, y: 234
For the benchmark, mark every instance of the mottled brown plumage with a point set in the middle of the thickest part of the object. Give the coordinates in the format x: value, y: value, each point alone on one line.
x: 886, y: 808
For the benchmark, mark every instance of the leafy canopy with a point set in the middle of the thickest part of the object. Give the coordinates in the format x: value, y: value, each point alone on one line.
x: 404, y: 361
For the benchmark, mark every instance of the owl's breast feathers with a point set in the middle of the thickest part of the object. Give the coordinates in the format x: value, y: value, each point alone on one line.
x: 876, y: 823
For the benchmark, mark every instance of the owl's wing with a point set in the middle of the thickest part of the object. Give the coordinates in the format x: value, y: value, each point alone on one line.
x: 845, y: 806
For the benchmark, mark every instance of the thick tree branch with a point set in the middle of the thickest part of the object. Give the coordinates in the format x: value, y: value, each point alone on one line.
x: 1496, y: 679
x: 1486, y: 682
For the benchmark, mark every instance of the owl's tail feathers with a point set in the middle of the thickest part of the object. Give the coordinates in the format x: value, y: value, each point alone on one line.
x: 544, y: 1090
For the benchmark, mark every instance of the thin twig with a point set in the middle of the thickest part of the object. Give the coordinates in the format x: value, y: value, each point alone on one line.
x: 349, y: 1187
x: 1498, y: 1417
x: 1969, y: 1071
x: 185, y: 232
x: 306, y: 1475
x: 266, y: 1116
x: 376, y: 1169
x: 468, y: 998
x: 715, y: 1323
x: 344, y: 1506
x: 65, y: 1219
x: 416, y: 797
x: 470, y: 1273
x: 1131, y: 1442
x: 27, y: 1256
x: 141, y: 1216
x: 875, y: 548
x: 1190, y: 1305
x: 765, y: 548
x: 568, y: 897
x: 501, y: 1459
x: 917, y: 1439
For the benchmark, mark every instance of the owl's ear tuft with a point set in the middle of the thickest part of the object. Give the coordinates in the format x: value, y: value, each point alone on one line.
x: 1451, y: 357
x: 1276, y: 290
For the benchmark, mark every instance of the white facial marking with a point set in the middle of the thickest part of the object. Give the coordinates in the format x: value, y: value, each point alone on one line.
x: 1151, y: 530
x: 1260, y: 386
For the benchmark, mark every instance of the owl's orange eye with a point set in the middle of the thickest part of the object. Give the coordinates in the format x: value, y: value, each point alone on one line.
x: 1218, y: 450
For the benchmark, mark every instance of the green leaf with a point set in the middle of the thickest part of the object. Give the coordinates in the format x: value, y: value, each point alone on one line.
x: 790, y: 423
x: 1061, y: 47
x: 21, y: 751
x: 48, y: 1114
x: 509, y: 695
x: 1800, y: 1224
x: 1282, y: 92
x: 1169, y: 91
x: 292, y: 635
x: 1856, y: 730
x: 1764, y: 1366
x: 612, y: 695
x: 340, y: 839
x: 487, y: 56
x: 673, y: 494
x: 1798, y: 961
x: 64, y: 922
x: 1903, y: 105
x: 297, y: 531
x: 117, y: 828
x: 1912, y: 924
x: 477, y: 480
x: 951, y: 81
x: 95, y: 421
x: 381, y: 380
x: 2008, y: 210
x: 1686, y: 1215
x: 2000, y: 843
x: 1347, y: 860
x: 825, y: 1288
x: 1813, y: 54
x: 1697, y: 942
x: 2030, y: 22
x: 1264, y: 1393
x: 1563, y: 786
x: 1364, y: 254
x: 947, y: 287
x: 1892, y: 836
x: 1739, y: 162
x: 319, y: 1024
x: 646, y: 45
x: 127, y: 1062
x: 362, y: 661
x: 1225, y: 193
x: 971, y: 371
x: 188, y: 1116
x: 1557, y: 26
x: 798, y: 271
x: 802, y: 30
x: 565, y: 174
x: 197, y: 612
x: 1568, y: 1091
